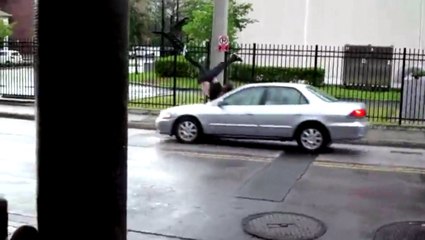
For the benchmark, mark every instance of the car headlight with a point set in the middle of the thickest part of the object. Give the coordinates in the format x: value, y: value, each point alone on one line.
x: 165, y: 115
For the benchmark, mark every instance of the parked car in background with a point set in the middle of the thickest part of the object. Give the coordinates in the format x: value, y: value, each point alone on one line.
x: 269, y: 111
x: 144, y: 52
x: 10, y: 57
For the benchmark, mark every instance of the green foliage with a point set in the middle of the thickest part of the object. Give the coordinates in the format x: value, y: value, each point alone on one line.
x: 6, y: 29
x: 164, y: 67
x: 139, y: 21
x: 201, y: 14
x: 243, y: 73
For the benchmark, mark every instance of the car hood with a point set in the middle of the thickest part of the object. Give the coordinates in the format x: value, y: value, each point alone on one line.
x: 185, y: 109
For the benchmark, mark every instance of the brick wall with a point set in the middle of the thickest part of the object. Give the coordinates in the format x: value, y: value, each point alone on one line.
x: 23, y: 13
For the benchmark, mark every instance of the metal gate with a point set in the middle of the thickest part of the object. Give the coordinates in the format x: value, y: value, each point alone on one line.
x: 368, y: 67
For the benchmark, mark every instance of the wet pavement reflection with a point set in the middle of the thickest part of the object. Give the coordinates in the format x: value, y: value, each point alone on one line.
x: 203, y: 191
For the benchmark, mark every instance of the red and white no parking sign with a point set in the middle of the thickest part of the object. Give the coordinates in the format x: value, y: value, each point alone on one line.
x: 223, y: 43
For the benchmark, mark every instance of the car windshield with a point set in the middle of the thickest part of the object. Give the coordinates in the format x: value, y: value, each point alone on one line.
x: 322, y: 95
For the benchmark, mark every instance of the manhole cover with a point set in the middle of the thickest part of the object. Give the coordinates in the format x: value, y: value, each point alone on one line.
x: 401, y: 231
x: 283, y: 226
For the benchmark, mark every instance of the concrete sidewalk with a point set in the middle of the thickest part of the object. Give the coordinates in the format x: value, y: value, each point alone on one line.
x: 392, y: 136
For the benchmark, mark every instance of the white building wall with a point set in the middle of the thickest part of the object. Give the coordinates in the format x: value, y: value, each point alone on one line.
x: 397, y: 23
x: 334, y: 23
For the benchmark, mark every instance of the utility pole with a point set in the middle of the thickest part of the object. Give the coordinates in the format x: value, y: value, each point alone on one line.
x: 219, y: 27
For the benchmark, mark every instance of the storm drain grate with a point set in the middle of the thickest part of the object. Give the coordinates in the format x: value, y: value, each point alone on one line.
x: 401, y: 231
x: 283, y: 226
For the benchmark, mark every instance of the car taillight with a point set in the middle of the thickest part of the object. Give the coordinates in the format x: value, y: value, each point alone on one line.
x: 358, y: 113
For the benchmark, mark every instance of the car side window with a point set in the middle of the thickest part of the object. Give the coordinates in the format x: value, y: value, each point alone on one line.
x: 246, y: 97
x: 284, y: 96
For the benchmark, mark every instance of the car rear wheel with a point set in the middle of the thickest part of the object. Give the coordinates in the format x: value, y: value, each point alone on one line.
x: 188, y: 130
x: 313, y: 138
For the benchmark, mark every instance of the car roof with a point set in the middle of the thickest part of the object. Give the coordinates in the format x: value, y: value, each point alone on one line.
x: 276, y: 84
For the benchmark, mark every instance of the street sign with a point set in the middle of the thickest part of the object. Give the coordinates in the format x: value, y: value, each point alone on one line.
x: 223, y: 43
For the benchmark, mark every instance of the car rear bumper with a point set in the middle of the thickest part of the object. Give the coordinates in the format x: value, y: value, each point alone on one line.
x: 164, y: 126
x: 348, y: 131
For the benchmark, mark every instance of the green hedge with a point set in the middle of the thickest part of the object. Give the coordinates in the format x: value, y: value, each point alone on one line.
x: 164, y: 67
x: 243, y: 73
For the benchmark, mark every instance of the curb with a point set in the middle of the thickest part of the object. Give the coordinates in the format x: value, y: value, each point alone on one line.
x: 17, y: 116
x: 14, y: 102
x: 137, y: 125
x: 385, y: 143
x: 150, y: 125
x: 142, y: 125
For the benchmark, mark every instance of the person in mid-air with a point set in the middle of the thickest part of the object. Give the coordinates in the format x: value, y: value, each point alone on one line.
x: 210, y: 86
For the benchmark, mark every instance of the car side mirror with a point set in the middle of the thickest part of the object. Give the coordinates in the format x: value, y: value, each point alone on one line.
x: 221, y: 103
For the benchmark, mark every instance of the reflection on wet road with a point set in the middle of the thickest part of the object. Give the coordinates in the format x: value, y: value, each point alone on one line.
x: 203, y: 191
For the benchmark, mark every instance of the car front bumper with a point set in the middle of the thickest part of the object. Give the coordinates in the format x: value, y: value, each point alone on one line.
x: 348, y: 131
x: 164, y: 126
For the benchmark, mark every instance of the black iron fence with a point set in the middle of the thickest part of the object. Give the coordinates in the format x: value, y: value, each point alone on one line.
x: 391, y: 81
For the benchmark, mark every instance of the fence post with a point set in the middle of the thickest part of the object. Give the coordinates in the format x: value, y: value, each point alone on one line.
x: 316, y: 58
x: 403, y: 75
x: 208, y: 60
x: 135, y: 57
x: 3, y: 219
x: 226, y: 55
x: 175, y: 79
x: 254, y: 57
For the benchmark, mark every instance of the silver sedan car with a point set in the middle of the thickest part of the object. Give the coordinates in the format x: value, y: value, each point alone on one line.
x: 269, y: 111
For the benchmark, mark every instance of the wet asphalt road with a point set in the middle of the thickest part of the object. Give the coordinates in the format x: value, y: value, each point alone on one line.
x: 203, y: 191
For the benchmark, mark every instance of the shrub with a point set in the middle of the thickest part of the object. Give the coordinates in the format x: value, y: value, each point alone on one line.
x: 243, y: 73
x: 164, y: 67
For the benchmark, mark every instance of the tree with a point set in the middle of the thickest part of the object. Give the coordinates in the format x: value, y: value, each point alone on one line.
x: 200, y: 26
x: 5, y: 29
x: 139, y: 21
x: 145, y: 16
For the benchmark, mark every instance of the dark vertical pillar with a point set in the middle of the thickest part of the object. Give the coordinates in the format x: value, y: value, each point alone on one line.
x: 82, y: 119
x: 4, y: 218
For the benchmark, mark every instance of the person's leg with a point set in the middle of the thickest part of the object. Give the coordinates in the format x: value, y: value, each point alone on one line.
x: 213, y: 73
x: 178, y: 27
x: 177, y: 44
x: 200, y: 67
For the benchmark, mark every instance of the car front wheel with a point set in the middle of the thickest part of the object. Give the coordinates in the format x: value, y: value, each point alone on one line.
x: 313, y: 138
x: 188, y: 130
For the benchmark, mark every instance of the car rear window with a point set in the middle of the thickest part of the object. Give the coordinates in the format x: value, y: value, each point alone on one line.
x: 322, y: 95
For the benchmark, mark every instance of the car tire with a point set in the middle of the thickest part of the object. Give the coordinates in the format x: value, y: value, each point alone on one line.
x: 313, y: 138
x: 188, y: 130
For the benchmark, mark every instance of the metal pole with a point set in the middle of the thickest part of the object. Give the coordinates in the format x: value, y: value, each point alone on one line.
x: 162, y: 26
x: 81, y: 145
x: 254, y: 58
x: 421, y: 13
x: 403, y: 76
x: 219, y: 27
